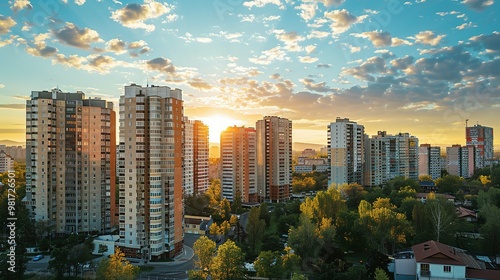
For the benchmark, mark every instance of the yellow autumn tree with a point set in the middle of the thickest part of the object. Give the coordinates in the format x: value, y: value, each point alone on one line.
x: 116, y: 267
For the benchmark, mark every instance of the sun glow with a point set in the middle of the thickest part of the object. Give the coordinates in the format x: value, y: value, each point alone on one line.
x: 217, y: 124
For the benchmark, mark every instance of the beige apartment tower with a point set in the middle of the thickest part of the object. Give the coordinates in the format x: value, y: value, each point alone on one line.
x: 274, y: 159
x: 238, y: 158
x: 196, y: 153
x: 150, y: 172
x: 70, y: 161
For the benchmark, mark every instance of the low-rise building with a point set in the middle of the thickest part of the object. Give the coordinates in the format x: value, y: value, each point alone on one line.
x: 197, y: 224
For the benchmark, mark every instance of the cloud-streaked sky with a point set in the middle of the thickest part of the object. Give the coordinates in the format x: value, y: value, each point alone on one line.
x: 418, y: 66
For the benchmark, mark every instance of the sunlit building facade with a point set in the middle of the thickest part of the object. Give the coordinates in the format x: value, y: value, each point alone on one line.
x: 239, y: 163
x: 70, y: 161
x: 150, y: 172
x: 429, y: 161
x: 274, y: 159
x: 345, y: 152
x: 481, y: 137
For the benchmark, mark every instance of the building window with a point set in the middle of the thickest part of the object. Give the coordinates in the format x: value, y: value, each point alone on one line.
x: 447, y: 268
x: 424, y: 269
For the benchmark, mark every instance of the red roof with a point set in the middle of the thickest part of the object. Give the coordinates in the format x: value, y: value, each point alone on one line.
x: 488, y: 274
x: 437, y: 253
x: 464, y: 212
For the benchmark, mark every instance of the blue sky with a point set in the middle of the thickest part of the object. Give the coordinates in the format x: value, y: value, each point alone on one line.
x: 422, y: 67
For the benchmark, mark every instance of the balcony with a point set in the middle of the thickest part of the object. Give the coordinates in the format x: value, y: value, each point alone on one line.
x: 424, y: 273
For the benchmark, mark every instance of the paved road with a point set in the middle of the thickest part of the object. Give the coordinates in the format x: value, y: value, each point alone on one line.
x: 162, y: 271
x: 177, y: 269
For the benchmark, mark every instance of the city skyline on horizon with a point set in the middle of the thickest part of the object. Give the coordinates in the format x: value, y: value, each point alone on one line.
x: 308, y: 61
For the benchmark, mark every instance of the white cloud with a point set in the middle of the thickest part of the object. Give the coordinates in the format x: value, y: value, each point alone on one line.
x: 271, y: 18
x: 134, y: 15
x: 188, y: 37
x: 268, y: 56
x: 307, y: 59
x: 21, y: 4
x: 5, y: 24
x: 310, y: 48
x: 428, y: 38
x: 318, y: 34
x: 342, y: 20
x: 262, y: 3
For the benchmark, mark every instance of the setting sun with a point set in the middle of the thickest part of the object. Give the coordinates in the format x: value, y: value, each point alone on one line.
x: 217, y: 124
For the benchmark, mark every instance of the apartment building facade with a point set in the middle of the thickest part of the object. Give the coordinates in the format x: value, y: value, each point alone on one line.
x: 274, y: 159
x: 70, y: 161
x: 345, y: 152
x: 150, y: 172
x: 239, y: 163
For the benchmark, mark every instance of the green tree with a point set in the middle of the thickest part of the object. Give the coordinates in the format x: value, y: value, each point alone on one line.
x: 264, y: 214
x: 354, y: 193
x: 303, y: 239
x: 449, y: 184
x: 291, y: 261
x: 214, y: 194
x: 237, y: 208
x: 490, y: 230
x: 255, y: 231
x: 204, y: 250
x: 269, y: 264
x: 228, y: 264
x: 116, y: 268
x: 442, y: 215
x: 384, y: 226
x: 59, y: 261
x: 380, y: 274
x: 225, y: 209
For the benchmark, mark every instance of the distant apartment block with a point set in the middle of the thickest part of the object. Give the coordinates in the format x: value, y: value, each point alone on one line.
x: 429, y: 161
x: 274, y: 159
x: 481, y: 137
x: 196, y: 152
x: 307, y: 164
x: 239, y: 163
x: 188, y: 157
x: 309, y: 153
x: 376, y: 168
x: 403, y: 155
x: 6, y: 162
x: 151, y: 172
x: 70, y: 161
x: 345, y: 152
x: 17, y: 153
x: 201, y: 155
x: 460, y: 160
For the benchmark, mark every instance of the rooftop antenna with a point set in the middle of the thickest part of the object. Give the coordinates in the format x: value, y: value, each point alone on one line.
x: 147, y: 82
x: 466, y: 121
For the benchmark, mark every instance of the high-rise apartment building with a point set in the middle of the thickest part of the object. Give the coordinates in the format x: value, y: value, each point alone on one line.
x: 196, y: 153
x: 274, y: 159
x: 239, y: 163
x: 6, y: 162
x: 460, y: 161
x: 150, y: 172
x: 201, y: 155
x: 403, y: 155
x: 70, y: 161
x: 429, y: 161
x: 345, y: 152
x: 376, y: 168
x: 481, y: 137
x: 188, y: 157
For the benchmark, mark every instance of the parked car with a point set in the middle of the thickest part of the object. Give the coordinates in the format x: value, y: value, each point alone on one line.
x: 38, y: 257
